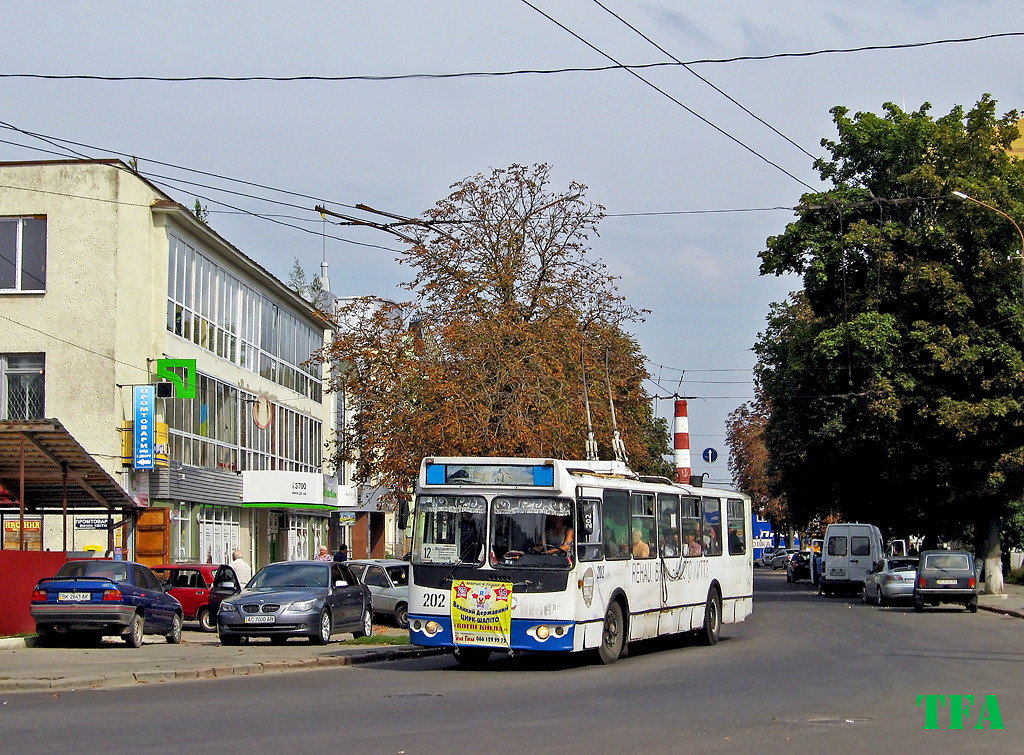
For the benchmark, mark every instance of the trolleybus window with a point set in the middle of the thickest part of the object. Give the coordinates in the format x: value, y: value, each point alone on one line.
x: 532, y: 532
x: 644, y: 537
x: 737, y: 527
x: 616, y: 524
x: 693, y: 540
x: 668, y: 525
x: 450, y: 529
x: 588, y: 537
x: 712, y: 526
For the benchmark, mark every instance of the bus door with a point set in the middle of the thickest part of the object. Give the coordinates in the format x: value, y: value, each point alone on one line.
x: 593, y: 596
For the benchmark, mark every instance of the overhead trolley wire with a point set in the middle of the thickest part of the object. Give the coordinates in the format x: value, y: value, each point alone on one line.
x: 515, y: 72
x: 661, y: 91
x: 729, y: 97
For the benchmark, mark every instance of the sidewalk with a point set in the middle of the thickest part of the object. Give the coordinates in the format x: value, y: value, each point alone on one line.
x: 24, y: 667
x: 1011, y: 603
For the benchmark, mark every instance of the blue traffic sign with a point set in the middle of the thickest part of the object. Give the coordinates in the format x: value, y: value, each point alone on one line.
x: 710, y: 455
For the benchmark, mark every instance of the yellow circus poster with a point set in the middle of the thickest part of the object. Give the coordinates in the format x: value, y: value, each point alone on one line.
x: 481, y: 613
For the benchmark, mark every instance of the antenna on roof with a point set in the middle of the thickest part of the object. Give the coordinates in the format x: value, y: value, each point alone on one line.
x: 617, y: 445
x: 591, y: 447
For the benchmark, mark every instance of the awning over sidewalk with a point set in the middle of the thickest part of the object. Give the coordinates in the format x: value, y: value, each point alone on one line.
x: 42, y: 456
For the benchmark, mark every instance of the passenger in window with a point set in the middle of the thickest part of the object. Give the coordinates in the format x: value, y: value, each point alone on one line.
x: 558, y: 536
x: 735, y: 541
x: 640, y: 548
x: 670, y: 547
x: 692, y: 546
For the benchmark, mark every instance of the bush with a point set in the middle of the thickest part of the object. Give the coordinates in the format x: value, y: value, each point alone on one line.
x: 1016, y: 576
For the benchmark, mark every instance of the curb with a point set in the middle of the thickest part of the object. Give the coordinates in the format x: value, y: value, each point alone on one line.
x: 393, y: 652
x: 1002, y: 611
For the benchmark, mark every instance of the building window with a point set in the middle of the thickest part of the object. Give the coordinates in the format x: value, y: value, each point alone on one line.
x: 22, y: 254
x: 22, y: 379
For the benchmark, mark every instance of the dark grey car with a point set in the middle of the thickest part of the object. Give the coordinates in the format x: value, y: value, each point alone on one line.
x: 312, y: 599
x: 946, y: 577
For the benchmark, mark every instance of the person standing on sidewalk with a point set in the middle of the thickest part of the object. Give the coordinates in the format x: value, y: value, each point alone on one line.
x: 342, y: 554
x: 242, y: 570
x: 323, y: 554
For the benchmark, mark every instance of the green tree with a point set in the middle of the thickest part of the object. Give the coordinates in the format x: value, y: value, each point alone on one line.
x: 896, y: 375
x: 486, y: 358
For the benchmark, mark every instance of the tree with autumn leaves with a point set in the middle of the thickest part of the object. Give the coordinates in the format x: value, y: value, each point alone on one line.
x: 488, y: 356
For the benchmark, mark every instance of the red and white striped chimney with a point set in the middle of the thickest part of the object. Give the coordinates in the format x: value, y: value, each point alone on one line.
x: 681, y: 443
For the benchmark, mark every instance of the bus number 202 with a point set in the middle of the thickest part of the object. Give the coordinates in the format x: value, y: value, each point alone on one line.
x: 434, y: 600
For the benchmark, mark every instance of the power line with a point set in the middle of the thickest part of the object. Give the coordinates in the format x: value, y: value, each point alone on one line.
x: 514, y: 72
x: 706, y: 81
x: 661, y: 91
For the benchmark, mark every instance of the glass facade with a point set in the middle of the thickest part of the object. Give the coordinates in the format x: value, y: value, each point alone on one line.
x: 215, y: 310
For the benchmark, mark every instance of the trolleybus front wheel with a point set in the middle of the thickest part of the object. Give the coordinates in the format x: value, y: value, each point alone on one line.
x: 612, y: 634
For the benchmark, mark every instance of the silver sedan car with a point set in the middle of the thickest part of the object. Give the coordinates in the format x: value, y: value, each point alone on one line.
x: 388, y: 580
x: 312, y: 599
x: 891, y: 579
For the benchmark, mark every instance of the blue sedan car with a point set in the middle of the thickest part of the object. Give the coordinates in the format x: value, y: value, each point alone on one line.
x: 90, y: 599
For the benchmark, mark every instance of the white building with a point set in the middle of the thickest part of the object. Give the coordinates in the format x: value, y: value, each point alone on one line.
x: 101, y: 275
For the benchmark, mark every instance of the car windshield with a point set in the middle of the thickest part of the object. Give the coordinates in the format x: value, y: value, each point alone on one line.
x: 291, y: 575
x: 948, y: 561
x: 532, y: 532
x: 113, y: 570
x: 399, y: 575
x: 449, y: 529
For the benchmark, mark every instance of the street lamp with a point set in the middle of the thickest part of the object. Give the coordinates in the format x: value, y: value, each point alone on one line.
x: 961, y: 195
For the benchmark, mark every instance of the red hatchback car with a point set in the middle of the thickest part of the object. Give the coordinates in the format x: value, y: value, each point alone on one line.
x: 190, y: 584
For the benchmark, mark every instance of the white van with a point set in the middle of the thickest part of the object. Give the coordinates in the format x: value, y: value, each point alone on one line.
x: 850, y: 553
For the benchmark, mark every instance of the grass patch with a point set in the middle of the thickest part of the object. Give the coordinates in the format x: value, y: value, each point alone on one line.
x: 1016, y: 576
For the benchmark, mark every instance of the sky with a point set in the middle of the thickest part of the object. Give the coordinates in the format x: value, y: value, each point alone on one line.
x: 692, y: 182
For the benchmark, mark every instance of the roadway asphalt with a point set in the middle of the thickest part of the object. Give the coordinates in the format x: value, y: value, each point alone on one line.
x: 24, y: 667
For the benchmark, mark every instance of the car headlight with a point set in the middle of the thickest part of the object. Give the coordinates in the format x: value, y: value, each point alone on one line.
x: 304, y: 605
x: 226, y: 607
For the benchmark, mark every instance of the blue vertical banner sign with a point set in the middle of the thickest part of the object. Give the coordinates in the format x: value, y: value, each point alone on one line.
x: 144, y: 451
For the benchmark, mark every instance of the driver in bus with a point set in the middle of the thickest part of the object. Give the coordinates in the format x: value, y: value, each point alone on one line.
x: 558, y: 536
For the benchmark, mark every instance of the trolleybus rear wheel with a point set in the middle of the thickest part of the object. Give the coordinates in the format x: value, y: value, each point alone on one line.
x: 612, y: 635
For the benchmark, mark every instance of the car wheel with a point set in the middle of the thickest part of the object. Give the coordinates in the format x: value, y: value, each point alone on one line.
x: 136, y: 629
x: 206, y: 620
x: 864, y: 596
x: 402, y: 616
x: 365, y: 624
x: 174, y: 636
x: 323, y: 635
x: 973, y: 606
x: 231, y: 639
x: 880, y: 598
x: 712, y: 628
x: 918, y: 606
x: 789, y: 576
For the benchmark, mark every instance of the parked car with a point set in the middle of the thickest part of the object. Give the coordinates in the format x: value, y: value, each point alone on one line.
x: 851, y: 551
x: 312, y: 599
x: 892, y: 579
x: 190, y: 584
x: 225, y: 584
x: 799, y: 567
x: 946, y: 577
x: 768, y: 554
x: 388, y: 580
x: 781, y: 558
x: 93, y: 598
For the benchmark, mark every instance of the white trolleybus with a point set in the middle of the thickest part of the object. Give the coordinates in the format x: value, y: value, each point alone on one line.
x: 549, y: 555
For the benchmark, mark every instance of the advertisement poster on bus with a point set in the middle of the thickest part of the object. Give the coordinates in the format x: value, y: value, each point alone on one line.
x: 482, y: 613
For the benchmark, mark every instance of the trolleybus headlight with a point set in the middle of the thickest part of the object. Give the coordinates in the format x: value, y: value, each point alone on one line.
x: 431, y: 628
